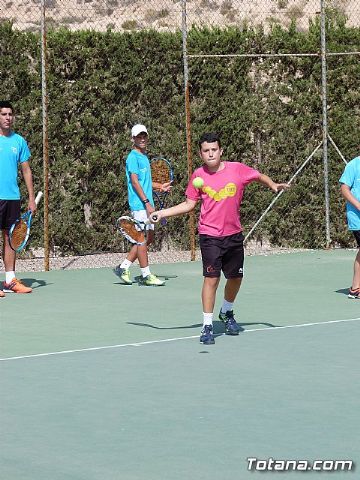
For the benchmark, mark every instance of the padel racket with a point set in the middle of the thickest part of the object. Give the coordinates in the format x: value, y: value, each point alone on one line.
x: 161, y: 172
x: 19, y: 232
x: 132, y: 230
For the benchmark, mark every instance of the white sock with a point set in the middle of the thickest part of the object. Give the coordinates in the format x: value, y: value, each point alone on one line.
x: 126, y: 264
x: 9, y: 276
x: 226, y: 306
x: 145, y: 271
x: 207, y: 318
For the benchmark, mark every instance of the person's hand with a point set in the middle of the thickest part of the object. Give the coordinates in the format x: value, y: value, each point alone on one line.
x: 278, y: 187
x: 32, y: 206
x: 149, y: 209
x: 166, y: 187
x: 155, y: 217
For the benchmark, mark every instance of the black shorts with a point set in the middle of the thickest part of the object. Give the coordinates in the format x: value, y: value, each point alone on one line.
x: 223, y: 254
x: 9, y: 213
x: 357, y: 236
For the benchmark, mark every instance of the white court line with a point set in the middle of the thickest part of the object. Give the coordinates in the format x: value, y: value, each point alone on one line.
x: 150, y: 342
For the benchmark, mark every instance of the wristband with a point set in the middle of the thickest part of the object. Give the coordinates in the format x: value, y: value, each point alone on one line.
x: 146, y: 201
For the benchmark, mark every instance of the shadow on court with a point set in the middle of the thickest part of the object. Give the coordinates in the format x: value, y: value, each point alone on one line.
x: 344, y: 291
x: 137, y: 280
x: 219, y: 327
x: 147, y: 325
x: 34, y: 282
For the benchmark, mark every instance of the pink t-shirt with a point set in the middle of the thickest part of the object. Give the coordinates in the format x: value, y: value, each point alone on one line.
x: 221, y: 197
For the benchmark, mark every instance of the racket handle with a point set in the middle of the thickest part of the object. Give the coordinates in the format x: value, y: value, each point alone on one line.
x: 148, y: 221
x: 38, y: 197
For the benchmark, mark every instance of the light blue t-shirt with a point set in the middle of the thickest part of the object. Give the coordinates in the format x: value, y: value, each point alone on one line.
x: 138, y: 163
x: 351, y: 178
x: 13, y: 151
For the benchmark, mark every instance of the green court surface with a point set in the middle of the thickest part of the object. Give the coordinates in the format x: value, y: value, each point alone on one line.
x: 102, y: 381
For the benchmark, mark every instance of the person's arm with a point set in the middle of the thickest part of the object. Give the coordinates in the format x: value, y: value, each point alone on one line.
x: 180, y: 209
x: 275, y: 187
x: 26, y: 171
x: 138, y: 189
x: 349, y: 197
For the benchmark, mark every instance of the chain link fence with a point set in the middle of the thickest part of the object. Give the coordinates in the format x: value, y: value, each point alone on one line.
x: 130, y: 15
x: 76, y: 162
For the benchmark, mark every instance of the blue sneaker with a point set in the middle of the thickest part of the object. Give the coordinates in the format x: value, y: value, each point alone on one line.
x: 207, y: 337
x: 354, y: 293
x: 231, y: 327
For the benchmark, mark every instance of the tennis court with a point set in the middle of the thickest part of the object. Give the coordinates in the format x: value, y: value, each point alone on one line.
x: 106, y: 381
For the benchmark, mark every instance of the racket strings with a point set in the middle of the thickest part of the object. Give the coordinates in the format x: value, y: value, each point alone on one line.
x: 160, y: 172
x: 19, y: 234
x: 130, y: 229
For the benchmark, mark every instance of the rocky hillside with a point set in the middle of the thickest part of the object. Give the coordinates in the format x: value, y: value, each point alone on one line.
x: 127, y: 15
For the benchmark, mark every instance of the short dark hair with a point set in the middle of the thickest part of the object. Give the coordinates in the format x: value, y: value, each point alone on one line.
x: 6, y: 104
x: 210, y: 137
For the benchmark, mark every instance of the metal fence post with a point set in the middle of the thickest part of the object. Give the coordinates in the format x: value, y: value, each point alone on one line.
x: 324, y: 121
x: 188, y: 122
x: 45, y: 135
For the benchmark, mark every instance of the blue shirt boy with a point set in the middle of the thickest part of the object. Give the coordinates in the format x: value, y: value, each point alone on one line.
x: 13, y: 151
x: 138, y: 163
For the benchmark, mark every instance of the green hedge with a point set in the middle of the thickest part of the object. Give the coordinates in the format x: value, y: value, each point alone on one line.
x: 268, y: 112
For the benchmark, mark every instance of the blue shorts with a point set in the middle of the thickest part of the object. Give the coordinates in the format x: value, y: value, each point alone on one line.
x: 223, y: 254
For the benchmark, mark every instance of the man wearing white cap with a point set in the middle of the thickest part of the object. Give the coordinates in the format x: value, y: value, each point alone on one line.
x: 139, y: 183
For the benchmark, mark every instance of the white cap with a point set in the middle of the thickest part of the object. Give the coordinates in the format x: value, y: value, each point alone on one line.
x: 136, y: 129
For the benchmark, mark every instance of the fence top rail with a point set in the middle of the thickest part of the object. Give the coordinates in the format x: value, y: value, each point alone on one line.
x: 261, y: 55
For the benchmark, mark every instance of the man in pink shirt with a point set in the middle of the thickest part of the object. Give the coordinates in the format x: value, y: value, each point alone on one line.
x: 220, y: 230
